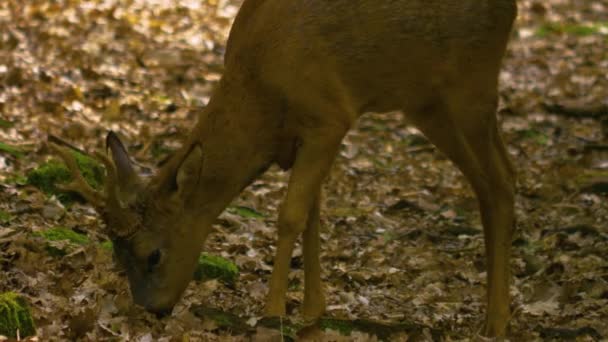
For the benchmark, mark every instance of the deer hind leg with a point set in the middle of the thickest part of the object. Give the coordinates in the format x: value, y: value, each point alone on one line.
x: 300, y: 214
x: 467, y: 132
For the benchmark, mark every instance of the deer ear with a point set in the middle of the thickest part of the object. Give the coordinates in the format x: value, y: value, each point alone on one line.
x: 189, y: 172
x: 127, y: 178
x: 120, y: 156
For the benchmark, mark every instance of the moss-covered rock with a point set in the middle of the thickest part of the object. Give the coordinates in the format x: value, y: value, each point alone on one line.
x: 214, y: 267
x: 60, y: 240
x: 46, y: 176
x: 15, y: 316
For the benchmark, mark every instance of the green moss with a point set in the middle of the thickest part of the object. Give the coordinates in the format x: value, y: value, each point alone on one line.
x: 342, y: 326
x: 534, y: 135
x: 573, y: 29
x: 14, y: 151
x: 107, y: 245
x: 289, y: 329
x: 45, y: 176
x: 246, y: 212
x: 5, y: 216
x: 214, y: 267
x: 53, y: 172
x: 6, y: 124
x: 15, y: 316
x: 158, y: 149
x: 413, y: 140
x: 61, y: 240
x: 60, y: 233
x: 224, y: 320
x: 16, y: 179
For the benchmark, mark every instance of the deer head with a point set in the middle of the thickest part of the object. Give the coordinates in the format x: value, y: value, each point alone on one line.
x: 152, y: 234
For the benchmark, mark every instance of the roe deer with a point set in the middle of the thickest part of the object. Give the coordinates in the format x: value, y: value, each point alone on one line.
x: 298, y: 73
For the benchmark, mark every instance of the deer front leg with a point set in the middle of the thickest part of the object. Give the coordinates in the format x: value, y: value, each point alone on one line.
x: 314, y: 300
x: 291, y: 225
x: 313, y: 161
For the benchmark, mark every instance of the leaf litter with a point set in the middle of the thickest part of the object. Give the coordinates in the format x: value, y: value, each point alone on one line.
x: 401, y: 236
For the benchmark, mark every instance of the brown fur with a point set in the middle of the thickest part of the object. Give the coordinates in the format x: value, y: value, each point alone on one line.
x: 298, y: 75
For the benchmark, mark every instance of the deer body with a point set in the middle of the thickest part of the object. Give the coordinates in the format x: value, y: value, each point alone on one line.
x: 298, y: 73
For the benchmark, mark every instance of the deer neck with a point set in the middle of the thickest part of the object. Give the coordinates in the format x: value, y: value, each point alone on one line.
x: 239, y: 142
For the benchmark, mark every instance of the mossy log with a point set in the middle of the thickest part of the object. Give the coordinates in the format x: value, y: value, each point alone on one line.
x: 291, y: 330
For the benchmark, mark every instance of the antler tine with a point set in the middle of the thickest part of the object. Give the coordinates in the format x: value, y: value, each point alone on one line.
x: 128, y: 225
x: 78, y: 184
x: 111, y: 175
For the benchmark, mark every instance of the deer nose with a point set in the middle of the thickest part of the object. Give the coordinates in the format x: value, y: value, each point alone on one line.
x: 159, y: 311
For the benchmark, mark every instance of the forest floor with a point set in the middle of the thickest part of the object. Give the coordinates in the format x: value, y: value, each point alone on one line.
x: 401, y: 236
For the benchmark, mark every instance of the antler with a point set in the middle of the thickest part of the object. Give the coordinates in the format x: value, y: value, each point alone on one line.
x: 79, y: 184
x: 123, y: 222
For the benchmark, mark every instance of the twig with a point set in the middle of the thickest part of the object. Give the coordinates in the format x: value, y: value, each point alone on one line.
x: 58, y: 141
x: 417, y: 149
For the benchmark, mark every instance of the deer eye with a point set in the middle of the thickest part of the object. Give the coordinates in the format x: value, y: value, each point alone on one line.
x: 154, y: 258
